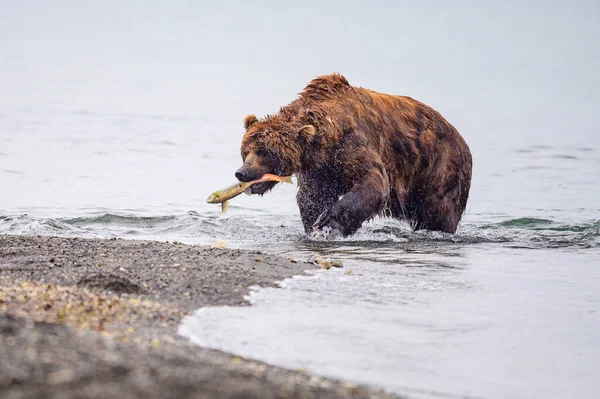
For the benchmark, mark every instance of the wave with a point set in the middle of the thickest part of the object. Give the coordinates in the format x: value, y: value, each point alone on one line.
x: 547, y: 224
x: 279, y: 232
x: 128, y: 220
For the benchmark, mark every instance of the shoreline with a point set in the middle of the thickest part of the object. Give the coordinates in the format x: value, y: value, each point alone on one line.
x: 98, y: 317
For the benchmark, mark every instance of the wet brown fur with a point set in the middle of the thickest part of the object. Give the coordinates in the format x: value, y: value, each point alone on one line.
x: 384, y: 154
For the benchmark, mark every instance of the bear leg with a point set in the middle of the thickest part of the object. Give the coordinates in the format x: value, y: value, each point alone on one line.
x: 313, y: 201
x: 366, y: 198
x: 439, y: 215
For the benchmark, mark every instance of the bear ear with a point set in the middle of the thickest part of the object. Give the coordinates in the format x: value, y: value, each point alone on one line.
x: 308, y: 132
x: 249, y: 120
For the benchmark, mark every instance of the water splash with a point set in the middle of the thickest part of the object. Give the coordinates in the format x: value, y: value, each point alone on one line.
x: 257, y: 229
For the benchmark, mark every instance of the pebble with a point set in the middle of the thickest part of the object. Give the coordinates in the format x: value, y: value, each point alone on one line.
x: 60, y: 377
x: 324, y: 264
x: 219, y: 244
x: 258, y: 259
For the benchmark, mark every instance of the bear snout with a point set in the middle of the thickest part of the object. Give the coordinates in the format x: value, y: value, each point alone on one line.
x: 245, y: 174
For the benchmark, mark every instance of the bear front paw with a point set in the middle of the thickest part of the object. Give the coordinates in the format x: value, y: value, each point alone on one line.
x: 326, y: 233
x: 327, y: 227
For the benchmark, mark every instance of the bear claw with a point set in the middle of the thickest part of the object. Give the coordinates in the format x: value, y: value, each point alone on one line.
x: 327, y: 225
x: 325, y: 233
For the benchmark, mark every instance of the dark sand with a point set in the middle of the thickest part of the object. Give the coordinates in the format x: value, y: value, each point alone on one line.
x: 87, y: 318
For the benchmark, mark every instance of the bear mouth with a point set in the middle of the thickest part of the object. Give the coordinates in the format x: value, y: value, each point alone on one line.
x: 261, y: 188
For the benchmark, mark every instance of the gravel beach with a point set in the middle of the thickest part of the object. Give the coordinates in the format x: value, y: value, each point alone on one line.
x: 98, y: 318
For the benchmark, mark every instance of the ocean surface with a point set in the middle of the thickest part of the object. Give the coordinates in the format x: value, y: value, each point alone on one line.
x: 119, y: 119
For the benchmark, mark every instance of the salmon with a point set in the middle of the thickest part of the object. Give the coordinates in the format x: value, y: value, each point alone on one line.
x: 223, y: 196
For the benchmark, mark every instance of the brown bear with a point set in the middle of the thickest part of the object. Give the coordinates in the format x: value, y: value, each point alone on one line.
x: 358, y: 153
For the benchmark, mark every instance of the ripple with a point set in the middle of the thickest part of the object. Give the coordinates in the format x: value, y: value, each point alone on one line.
x: 541, y: 147
x: 13, y: 172
x: 532, y: 149
x: 565, y: 156
x: 531, y: 167
x: 525, y: 222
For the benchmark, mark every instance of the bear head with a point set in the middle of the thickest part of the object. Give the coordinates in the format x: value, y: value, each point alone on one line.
x: 273, y: 145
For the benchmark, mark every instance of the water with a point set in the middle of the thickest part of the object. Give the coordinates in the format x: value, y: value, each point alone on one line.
x: 119, y: 120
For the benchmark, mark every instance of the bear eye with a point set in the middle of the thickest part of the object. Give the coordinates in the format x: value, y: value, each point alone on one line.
x: 262, y: 153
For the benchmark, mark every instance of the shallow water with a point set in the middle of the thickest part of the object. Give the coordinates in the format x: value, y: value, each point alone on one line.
x: 482, y: 323
x: 125, y: 131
